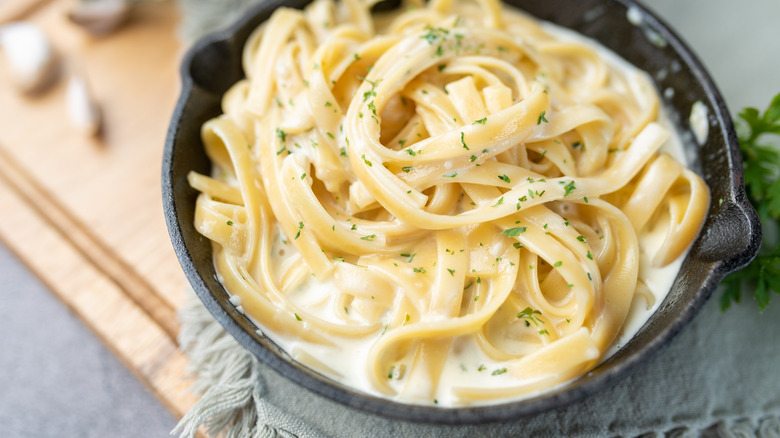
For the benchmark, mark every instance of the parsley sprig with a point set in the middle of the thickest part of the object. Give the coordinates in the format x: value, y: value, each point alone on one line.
x: 761, y: 164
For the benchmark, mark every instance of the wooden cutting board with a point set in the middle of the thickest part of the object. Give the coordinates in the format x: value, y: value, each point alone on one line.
x: 85, y: 214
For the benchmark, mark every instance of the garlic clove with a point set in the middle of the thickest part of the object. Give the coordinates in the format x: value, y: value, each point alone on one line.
x: 31, y: 58
x: 83, y: 110
x: 100, y: 17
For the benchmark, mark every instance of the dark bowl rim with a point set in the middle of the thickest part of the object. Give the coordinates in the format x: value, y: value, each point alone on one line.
x: 505, y: 411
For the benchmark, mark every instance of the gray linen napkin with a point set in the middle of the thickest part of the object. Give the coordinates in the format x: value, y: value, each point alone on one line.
x: 720, y: 377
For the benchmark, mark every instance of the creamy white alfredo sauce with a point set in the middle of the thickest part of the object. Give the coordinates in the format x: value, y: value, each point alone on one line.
x: 467, y: 364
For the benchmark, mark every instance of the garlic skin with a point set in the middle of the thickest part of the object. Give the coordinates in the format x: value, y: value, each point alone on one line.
x: 99, y: 17
x: 31, y: 58
x: 83, y: 110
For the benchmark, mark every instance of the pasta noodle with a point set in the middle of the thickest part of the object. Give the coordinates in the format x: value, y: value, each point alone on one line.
x: 454, y: 185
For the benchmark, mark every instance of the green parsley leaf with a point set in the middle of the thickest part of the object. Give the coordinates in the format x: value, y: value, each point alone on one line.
x: 529, y: 315
x: 463, y: 141
x: 761, y: 164
x: 512, y: 232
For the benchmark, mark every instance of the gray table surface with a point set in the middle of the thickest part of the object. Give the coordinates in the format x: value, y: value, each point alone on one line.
x: 58, y: 380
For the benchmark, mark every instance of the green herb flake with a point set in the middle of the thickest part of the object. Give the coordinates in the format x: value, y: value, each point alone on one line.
x: 504, y: 178
x: 463, y: 141
x: 568, y: 188
x: 498, y: 372
x: 542, y: 118
x: 480, y: 121
x: 298, y: 234
x: 529, y: 315
x: 513, y: 232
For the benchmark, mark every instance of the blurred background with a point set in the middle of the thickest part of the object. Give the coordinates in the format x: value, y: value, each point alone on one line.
x: 57, y: 377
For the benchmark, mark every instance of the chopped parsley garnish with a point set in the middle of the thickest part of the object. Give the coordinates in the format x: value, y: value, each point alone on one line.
x: 513, y: 232
x: 542, y: 118
x: 229, y: 223
x: 498, y: 371
x: 463, y: 141
x: 434, y: 34
x: 504, y: 178
x: 529, y: 315
x: 480, y: 121
x: 568, y: 188
x: 298, y: 234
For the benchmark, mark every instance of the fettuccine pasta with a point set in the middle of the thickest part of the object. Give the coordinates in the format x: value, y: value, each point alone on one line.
x: 452, y: 204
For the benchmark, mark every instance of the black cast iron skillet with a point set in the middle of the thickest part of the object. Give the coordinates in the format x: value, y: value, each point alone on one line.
x: 729, y: 239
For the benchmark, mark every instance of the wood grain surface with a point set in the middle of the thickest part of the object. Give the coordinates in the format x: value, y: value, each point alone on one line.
x: 85, y: 213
